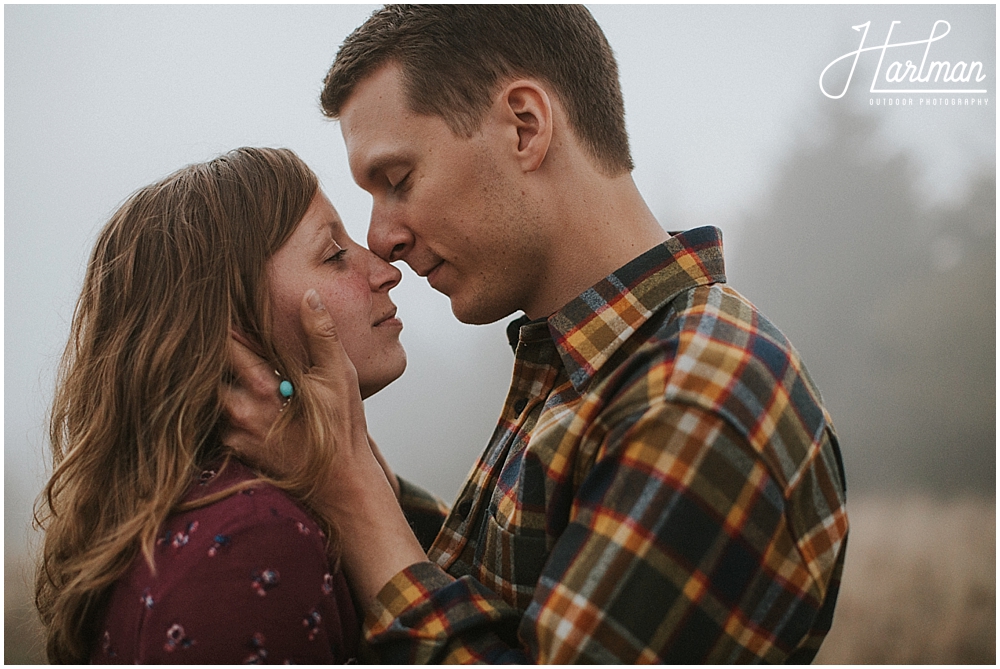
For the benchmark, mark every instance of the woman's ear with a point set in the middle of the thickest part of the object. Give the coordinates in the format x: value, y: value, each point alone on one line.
x: 526, y: 106
x: 238, y: 335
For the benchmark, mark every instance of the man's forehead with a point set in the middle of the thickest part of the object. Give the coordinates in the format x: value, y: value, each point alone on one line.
x: 381, y: 129
x: 371, y: 121
x: 381, y: 134
x: 377, y: 98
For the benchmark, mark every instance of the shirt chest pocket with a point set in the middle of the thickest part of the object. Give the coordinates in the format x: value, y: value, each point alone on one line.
x: 510, y: 562
x: 513, y: 545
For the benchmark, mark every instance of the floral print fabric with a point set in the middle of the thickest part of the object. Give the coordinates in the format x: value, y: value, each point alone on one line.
x: 244, y: 580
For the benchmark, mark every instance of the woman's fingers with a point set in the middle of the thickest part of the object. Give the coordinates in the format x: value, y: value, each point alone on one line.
x: 250, y: 402
x: 325, y: 350
x: 254, y: 375
x: 331, y: 367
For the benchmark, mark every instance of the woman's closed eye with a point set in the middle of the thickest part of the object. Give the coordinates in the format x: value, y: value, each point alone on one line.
x: 337, y: 257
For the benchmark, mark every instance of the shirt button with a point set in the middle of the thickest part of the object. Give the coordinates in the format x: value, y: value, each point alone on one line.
x: 519, y: 406
x: 464, y: 507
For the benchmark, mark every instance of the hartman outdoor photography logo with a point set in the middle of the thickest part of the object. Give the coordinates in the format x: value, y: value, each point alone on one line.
x: 921, y: 72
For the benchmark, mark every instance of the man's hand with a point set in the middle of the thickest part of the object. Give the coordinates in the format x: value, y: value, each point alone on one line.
x: 333, y: 380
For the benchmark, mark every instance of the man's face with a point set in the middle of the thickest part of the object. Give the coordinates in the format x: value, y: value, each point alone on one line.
x: 451, y: 207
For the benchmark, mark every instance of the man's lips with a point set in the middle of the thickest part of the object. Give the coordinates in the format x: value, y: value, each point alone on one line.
x: 427, y: 273
x: 432, y: 275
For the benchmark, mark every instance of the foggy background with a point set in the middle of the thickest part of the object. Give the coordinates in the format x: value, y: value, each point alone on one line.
x: 866, y: 233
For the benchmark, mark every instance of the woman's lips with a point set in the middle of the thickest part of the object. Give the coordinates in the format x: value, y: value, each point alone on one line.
x: 389, y: 320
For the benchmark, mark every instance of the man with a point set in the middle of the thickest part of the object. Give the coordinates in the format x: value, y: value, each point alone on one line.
x: 664, y: 484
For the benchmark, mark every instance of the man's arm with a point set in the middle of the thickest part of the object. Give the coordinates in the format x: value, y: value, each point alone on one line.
x: 424, y: 511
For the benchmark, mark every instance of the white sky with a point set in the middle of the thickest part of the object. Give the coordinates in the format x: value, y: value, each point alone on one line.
x: 100, y: 100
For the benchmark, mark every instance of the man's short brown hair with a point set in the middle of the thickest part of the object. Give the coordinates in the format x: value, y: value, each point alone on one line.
x: 454, y: 57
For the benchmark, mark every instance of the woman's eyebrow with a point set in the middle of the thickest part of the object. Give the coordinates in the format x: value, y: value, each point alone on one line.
x: 328, y: 232
x: 335, y: 228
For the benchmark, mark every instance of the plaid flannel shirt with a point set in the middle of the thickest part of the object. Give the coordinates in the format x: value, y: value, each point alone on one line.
x: 664, y: 485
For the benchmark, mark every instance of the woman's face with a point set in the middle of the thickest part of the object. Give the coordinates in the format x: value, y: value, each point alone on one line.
x: 354, y: 284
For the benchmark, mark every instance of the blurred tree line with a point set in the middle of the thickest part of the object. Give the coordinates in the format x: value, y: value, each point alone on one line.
x: 892, y: 305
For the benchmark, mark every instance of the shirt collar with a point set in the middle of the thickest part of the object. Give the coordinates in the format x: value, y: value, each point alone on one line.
x: 589, y: 329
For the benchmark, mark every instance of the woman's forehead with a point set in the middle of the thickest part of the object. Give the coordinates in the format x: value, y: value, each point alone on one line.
x: 321, y: 220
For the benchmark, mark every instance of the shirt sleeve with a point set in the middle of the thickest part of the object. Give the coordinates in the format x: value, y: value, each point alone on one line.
x: 678, y: 549
x: 423, y: 510
x: 259, y: 589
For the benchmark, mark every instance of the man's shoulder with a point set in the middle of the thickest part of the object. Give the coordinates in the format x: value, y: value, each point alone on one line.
x: 714, y: 330
x: 712, y: 348
x: 708, y: 336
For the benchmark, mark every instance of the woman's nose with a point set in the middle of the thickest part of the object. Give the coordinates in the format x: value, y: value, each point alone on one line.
x: 383, y: 277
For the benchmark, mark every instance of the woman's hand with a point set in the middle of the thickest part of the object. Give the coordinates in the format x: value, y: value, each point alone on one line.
x: 250, y: 401
x: 378, y: 541
x: 356, y: 495
x: 333, y: 380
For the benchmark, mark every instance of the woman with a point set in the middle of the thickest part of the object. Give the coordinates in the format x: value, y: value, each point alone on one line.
x: 161, y: 544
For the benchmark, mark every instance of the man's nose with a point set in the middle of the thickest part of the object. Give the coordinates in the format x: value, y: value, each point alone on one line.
x: 388, y: 237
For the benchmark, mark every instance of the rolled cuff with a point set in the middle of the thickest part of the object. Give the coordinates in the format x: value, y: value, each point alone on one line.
x: 406, y: 591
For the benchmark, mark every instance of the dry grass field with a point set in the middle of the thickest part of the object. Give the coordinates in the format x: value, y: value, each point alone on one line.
x: 919, y: 587
x: 21, y: 628
x: 919, y: 583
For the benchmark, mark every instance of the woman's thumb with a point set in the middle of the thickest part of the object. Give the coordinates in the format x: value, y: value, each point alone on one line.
x: 325, y: 349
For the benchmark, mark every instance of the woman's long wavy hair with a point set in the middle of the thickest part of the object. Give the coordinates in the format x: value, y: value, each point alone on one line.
x: 137, y: 409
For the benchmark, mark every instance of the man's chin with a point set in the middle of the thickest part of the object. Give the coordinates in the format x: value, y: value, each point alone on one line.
x: 478, y: 311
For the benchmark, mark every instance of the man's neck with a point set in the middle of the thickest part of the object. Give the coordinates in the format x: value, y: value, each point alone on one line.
x: 601, y: 225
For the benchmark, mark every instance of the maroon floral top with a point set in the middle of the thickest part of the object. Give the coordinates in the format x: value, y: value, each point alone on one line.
x: 245, y: 579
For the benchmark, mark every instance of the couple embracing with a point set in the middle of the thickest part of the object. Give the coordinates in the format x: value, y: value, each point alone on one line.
x: 663, y: 485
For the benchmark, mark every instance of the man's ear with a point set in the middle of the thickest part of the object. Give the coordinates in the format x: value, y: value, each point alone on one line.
x: 527, y: 108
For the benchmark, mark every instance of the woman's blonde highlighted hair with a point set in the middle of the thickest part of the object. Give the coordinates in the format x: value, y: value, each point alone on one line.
x: 137, y: 409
